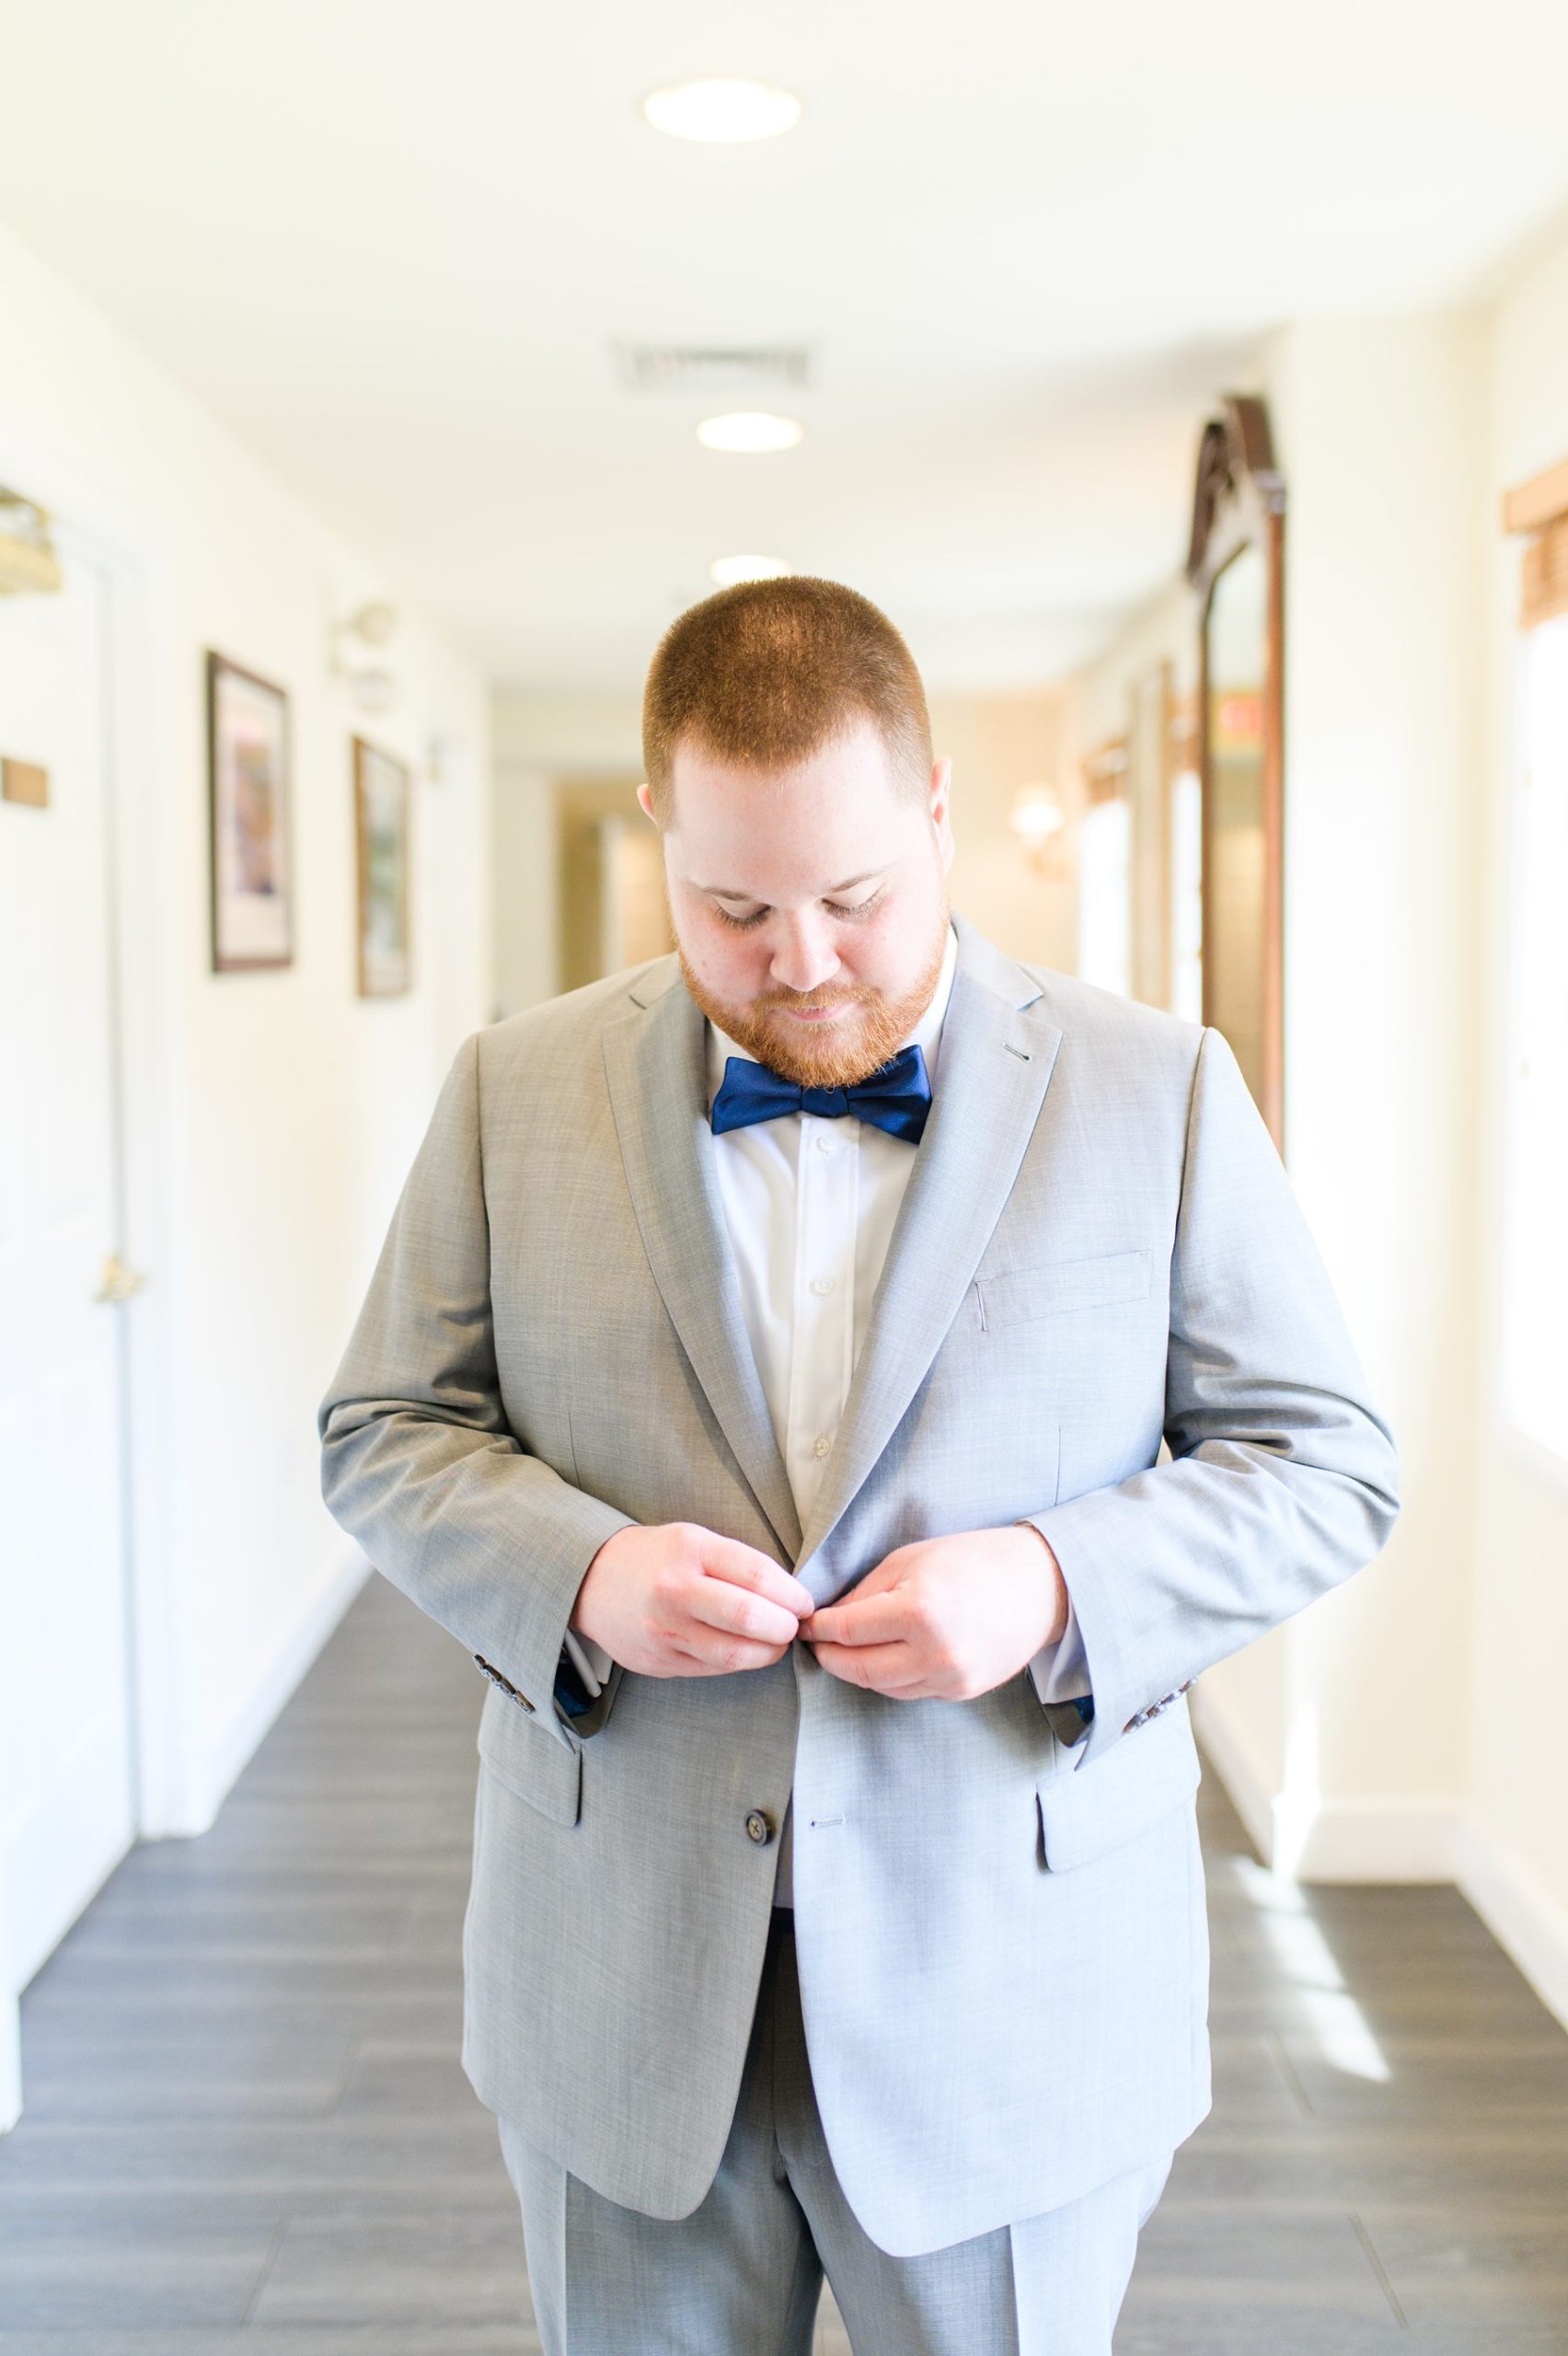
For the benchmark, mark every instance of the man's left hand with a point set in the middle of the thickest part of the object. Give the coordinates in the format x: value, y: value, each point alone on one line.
x: 945, y: 1619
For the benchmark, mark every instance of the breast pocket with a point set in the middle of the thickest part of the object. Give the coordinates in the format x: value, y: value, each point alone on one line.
x: 544, y: 1773
x: 1023, y: 1294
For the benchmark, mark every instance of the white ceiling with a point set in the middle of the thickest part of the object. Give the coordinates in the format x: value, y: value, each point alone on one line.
x: 392, y: 242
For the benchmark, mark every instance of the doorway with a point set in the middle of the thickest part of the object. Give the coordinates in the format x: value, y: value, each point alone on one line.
x: 67, y: 1773
x: 613, y: 911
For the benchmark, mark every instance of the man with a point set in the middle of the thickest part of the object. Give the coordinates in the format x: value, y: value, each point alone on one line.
x: 765, y: 1378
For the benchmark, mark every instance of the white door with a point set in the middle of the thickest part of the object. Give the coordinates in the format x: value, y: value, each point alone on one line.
x: 66, y: 1811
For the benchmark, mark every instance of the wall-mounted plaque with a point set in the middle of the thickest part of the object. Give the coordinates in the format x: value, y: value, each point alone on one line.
x: 24, y: 782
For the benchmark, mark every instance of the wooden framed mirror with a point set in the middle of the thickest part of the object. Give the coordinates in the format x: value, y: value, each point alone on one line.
x: 1237, y: 566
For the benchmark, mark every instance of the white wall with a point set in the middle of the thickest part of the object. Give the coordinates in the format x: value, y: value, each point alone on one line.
x: 1406, y: 1726
x: 272, y: 1115
x: 997, y: 742
x: 1377, y: 427
x: 1327, y: 1729
x: 1514, y: 1838
x: 1164, y: 631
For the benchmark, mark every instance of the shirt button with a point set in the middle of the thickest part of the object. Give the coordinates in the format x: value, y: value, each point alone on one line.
x: 824, y: 1143
x: 758, y: 1826
x: 821, y: 1284
x: 821, y: 1445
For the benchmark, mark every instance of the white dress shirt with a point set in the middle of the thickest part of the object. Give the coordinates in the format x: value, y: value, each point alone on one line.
x: 810, y: 1201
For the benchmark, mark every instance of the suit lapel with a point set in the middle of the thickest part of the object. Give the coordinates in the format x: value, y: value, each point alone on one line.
x: 998, y: 1049
x: 654, y: 1065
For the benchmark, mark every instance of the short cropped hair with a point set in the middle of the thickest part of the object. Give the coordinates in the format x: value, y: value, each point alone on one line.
x: 767, y: 672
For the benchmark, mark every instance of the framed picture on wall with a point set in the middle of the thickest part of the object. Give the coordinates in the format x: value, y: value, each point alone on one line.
x: 381, y: 832
x: 247, y: 799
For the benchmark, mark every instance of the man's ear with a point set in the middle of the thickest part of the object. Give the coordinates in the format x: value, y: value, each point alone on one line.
x: 646, y: 799
x: 942, y: 782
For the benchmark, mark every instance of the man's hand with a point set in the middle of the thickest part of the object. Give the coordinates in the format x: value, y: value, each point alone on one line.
x: 945, y: 1619
x: 674, y: 1600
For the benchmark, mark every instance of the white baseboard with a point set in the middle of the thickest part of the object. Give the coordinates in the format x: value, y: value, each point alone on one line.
x: 1397, y: 1841
x: 1378, y: 1840
x: 219, y: 1771
x: 1521, y: 1917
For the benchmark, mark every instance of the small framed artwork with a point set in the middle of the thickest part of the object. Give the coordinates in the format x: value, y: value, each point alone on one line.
x: 381, y: 829
x: 247, y: 799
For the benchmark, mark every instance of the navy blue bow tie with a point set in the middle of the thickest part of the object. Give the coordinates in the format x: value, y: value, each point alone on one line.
x: 896, y: 1097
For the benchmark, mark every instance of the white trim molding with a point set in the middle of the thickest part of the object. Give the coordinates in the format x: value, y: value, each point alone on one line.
x: 1521, y: 1917
x: 1314, y: 1839
x: 1379, y: 1841
x: 1395, y: 1841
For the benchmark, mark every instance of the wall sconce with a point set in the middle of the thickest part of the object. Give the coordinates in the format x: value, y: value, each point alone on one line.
x: 443, y: 755
x: 1105, y: 771
x: 1039, y: 820
x: 1182, y: 742
x: 28, y: 562
x: 371, y: 685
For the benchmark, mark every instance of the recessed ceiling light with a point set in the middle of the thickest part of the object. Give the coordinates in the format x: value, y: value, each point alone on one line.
x: 729, y: 571
x: 721, y: 111
x: 749, y: 430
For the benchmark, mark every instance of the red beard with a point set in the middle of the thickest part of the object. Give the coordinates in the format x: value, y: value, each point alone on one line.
x: 842, y: 1056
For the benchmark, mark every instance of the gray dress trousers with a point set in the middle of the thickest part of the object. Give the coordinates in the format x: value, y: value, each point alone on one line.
x: 742, y: 2274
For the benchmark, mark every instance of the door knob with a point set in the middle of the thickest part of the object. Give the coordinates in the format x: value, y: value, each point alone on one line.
x: 119, y: 1281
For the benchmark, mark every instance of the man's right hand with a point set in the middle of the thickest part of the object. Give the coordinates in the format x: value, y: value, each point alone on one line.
x: 674, y: 1600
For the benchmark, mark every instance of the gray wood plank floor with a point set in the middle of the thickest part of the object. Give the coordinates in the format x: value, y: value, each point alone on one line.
x: 247, y: 2133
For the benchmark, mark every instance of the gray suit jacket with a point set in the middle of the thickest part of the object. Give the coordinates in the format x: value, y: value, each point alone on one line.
x: 1001, y: 1937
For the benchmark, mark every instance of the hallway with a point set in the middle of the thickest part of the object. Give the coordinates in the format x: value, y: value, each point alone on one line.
x: 246, y: 2129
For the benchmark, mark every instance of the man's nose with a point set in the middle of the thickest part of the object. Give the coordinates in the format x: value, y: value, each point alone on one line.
x: 805, y: 958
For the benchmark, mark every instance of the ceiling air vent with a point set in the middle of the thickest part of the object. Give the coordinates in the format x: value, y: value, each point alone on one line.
x: 716, y: 368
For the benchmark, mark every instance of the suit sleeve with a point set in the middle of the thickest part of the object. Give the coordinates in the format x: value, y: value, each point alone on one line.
x: 1282, y: 1479
x: 1059, y: 1675
x: 418, y: 1460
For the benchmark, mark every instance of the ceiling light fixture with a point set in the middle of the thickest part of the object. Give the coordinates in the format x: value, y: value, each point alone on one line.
x: 731, y: 571
x: 721, y: 111
x: 751, y: 431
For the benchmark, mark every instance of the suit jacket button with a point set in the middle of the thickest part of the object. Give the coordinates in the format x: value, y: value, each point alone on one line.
x: 758, y: 1827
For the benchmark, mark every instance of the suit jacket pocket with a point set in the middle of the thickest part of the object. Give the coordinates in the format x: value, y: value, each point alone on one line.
x: 547, y: 1773
x: 1085, y: 1812
x: 1024, y: 1293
